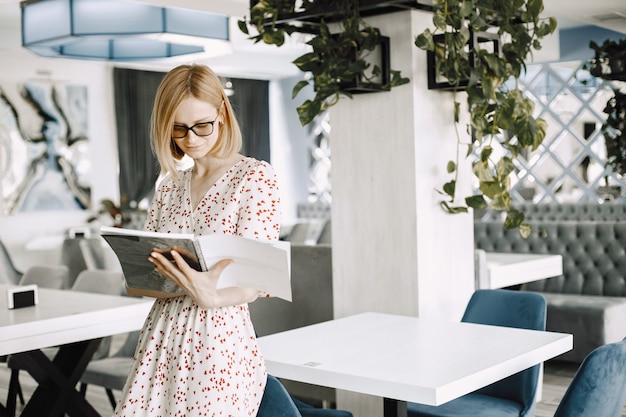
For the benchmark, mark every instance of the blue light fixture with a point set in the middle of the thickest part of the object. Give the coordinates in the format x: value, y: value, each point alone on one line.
x: 120, y: 30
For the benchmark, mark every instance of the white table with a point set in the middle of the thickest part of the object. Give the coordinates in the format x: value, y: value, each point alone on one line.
x: 507, y: 269
x: 76, y: 322
x: 406, y: 358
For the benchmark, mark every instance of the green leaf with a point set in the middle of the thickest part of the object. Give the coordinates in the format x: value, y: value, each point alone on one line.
x: 439, y: 21
x: 513, y: 219
x: 449, y: 188
x: 425, y: 41
x: 299, y: 86
x: 243, y: 26
x: 307, y: 111
x: 476, y: 202
x: 525, y: 230
x: 491, y: 189
x: 482, y: 171
x: 534, y: 7
x: 450, y: 167
x: 504, y: 167
x: 486, y: 153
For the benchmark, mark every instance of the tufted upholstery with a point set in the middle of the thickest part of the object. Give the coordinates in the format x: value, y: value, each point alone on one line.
x: 589, y: 299
x: 317, y: 210
x: 594, y: 253
x: 565, y: 212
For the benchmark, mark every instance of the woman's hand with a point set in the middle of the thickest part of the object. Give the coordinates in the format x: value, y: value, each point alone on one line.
x: 202, y: 286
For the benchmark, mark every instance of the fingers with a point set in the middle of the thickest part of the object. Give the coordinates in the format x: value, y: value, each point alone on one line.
x: 179, y: 264
x: 221, y: 265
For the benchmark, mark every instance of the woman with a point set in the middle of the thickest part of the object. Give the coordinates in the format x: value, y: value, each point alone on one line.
x: 197, y: 355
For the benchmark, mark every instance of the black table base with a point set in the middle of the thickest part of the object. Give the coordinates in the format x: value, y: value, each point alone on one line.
x: 394, y: 408
x: 56, y: 393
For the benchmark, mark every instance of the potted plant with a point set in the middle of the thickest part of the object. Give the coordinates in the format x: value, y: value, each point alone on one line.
x: 338, y: 61
x: 609, y: 61
x: 499, y: 111
x: 614, y: 131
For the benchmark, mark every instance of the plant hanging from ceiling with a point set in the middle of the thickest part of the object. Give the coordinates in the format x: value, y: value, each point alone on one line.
x: 609, y: 63
x: 499, y: 112
x: 338, y: 57
x: 614, y: 131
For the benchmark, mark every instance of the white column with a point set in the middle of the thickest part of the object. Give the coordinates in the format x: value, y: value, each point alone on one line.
x: 394, y: 249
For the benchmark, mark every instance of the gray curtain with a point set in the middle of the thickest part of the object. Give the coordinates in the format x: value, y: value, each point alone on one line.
x: 251, y: 104
x: 134, y: 96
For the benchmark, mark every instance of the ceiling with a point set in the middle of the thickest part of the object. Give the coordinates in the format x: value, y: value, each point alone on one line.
x: 261, y: 61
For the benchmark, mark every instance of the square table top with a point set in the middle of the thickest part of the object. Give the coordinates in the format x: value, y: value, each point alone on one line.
x: 406, y: 358
x: 506, y: 269
x: 66, y: 316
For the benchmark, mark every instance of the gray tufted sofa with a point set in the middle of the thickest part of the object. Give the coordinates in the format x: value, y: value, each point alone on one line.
x: 589, y: 299
x: 564, y: 212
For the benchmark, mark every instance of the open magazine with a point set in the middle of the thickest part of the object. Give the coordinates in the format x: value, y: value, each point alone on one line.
x: 264, y: 266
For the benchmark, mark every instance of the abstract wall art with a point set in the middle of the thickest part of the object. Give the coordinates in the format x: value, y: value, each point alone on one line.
x: 44, y: 143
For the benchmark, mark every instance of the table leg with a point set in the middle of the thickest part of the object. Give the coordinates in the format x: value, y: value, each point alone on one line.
x: 56, y: 392
x: 394, y: 408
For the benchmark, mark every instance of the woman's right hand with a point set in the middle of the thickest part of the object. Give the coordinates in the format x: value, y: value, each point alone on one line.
x: 202, y: 286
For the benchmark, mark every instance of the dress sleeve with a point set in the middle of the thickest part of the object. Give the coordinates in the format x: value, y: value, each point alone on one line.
x: 259, y: 209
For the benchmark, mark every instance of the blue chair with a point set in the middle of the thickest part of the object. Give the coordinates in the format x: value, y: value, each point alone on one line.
x: 512, y: 396
x: 598, y: 388
x: 277, y: 402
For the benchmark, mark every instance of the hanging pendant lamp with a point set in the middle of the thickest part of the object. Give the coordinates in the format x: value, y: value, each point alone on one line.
x: 120, y: 30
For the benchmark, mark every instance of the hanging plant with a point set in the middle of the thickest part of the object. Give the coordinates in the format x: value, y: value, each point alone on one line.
x: 614, y: 131
x: 499, y: 112
x: 609, y: 60
x: 337, y: 58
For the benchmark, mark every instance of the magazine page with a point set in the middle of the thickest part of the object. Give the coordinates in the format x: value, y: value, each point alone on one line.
x: 265, y: 266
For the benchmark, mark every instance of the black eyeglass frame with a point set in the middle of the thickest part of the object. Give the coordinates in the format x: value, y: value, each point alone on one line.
x: 188, y: 128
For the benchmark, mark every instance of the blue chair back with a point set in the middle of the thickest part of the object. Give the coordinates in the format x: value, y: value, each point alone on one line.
x: 598, y: 388
x: 520, y: 309
x: 276, y: 401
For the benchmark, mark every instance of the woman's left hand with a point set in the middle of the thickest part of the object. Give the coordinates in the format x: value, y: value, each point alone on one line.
x: 202, y: 286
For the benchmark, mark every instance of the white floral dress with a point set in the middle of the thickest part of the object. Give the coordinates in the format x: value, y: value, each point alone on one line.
x: 192, y: 361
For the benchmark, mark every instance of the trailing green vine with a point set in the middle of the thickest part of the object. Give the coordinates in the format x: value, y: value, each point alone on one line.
x: 337, y: 58
x: 499, y: 111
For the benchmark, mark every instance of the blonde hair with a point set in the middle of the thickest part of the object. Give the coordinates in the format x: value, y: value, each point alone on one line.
x: 200, y: 82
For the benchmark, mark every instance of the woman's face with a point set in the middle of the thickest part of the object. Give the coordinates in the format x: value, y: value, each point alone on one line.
x: 195, y: 129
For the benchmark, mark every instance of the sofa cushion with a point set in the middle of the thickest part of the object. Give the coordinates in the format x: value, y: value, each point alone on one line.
x: 593, y: 320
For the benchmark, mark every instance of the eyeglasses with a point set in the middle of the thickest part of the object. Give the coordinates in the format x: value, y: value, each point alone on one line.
x: 200, y: 129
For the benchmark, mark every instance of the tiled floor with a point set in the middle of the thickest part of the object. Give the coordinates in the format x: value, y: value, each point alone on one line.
x: 557, y: 377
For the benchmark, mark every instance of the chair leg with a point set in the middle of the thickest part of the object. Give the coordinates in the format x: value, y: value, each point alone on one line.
x: 111, y: 398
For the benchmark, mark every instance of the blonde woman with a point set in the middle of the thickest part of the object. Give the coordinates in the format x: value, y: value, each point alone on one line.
x: 197, y: 354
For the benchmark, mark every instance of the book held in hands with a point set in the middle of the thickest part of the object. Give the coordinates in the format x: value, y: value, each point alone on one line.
x: 262, y: 265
